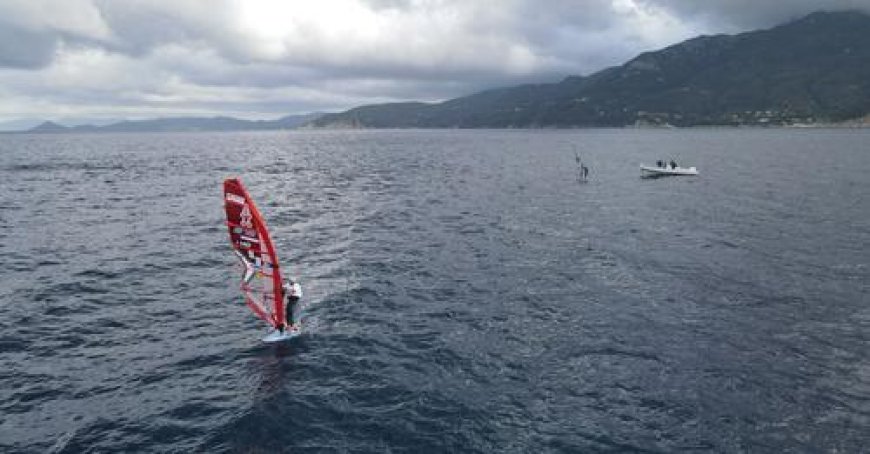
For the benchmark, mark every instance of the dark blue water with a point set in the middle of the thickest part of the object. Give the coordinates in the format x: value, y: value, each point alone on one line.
x: 463, y: 293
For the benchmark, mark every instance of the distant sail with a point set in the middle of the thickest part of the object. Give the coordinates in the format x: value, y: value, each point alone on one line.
x: 261, y: 281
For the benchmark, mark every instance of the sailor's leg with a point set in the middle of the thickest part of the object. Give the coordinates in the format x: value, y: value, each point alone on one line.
x: 291, y: 304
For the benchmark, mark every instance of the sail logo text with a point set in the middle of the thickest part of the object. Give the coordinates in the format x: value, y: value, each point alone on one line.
x: 235, y: 198
x: 245, y: 217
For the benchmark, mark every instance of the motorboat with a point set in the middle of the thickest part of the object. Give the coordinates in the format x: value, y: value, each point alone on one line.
x: 655, y: 171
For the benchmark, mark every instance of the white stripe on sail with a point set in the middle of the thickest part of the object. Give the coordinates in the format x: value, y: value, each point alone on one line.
x: 237, y: 199
x: 249, y: 267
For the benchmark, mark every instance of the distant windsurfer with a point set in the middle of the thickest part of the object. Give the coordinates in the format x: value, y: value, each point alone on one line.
x: 292, y: 293
x: 582, y: 170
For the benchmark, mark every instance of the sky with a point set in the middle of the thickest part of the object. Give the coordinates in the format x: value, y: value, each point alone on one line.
x: 99, y: 60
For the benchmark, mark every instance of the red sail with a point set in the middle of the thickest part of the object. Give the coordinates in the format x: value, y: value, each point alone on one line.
x: 261, y: 283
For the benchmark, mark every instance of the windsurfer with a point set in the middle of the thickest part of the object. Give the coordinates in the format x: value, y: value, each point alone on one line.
x: 293, y: 292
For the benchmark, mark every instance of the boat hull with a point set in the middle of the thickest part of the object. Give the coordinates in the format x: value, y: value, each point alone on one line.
x: 653, y: 172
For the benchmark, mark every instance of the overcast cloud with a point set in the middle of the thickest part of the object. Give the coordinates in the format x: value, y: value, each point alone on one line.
x: 64, y: 59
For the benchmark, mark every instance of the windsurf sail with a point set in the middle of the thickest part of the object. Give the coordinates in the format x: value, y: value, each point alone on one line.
x: 261, y: 281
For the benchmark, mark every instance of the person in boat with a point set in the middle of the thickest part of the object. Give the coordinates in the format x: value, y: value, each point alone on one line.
x: 292, y: 293
x: 673, y: 164
x: 660, y: 163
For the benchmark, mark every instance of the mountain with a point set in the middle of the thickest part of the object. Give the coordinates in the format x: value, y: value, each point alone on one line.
x: 180, y: 124
x: 49, y: 126
x: 19, y: 124
x: 295, y: 121
x: 816, y: 69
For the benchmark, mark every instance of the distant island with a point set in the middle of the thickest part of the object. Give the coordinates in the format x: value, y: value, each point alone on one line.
x: 812, y: 71
x: 181, y: 124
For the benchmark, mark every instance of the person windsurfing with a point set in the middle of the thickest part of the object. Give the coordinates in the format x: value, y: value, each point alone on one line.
x: 292, y: 293
x: 582, y: 170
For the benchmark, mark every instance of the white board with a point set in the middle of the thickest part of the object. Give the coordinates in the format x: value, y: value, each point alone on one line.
x: 278, y: 336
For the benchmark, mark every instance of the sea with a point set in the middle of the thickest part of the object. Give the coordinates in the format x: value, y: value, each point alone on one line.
x: 464, y: 292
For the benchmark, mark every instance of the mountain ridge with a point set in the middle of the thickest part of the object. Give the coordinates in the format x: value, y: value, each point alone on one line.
x: 178, y: 124
x: 811, y: 70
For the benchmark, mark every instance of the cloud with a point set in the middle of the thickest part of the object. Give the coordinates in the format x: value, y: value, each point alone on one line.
x: 264, y: 58
x: 36, y: 53
x: 738, y: 15
x: 30, y: 31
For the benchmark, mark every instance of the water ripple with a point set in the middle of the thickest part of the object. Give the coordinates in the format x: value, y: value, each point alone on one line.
x: 463, y: 293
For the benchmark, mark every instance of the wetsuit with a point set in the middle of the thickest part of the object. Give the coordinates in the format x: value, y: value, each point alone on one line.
x: 293, y: 292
